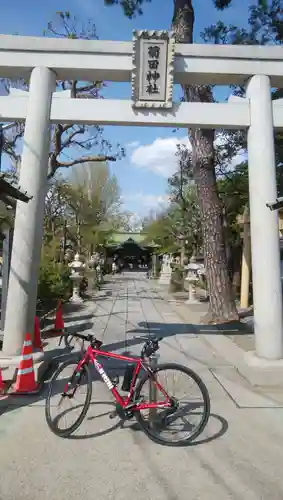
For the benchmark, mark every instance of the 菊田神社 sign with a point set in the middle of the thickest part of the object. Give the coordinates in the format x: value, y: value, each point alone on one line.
x: 153, y: 69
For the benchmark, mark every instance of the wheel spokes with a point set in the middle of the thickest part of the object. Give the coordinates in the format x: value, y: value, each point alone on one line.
x: 179, y: 423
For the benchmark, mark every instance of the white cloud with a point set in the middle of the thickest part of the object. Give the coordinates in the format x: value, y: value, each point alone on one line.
x: 133, y: 144
x: 135, y: 222
x: 151, y: 201
x: 147, y: 201
x: 160, y: 156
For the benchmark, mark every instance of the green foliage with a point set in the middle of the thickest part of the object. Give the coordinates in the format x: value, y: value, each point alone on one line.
x: 93, y: 198
x: 53, y: 282
x: 222, y: 4
x: 158, y: 267
x: 184, y: 210
x: 169, y: 229
x: 178, y: 221
x: 85, y: 208
x: 233, y: 189
x: 180, y: 225
x: 177, y: 278
x: 82, y: 209
x: 131, y: 8
x: 159, y: 231
x: 56, y: 206
x: 265, y: 26
x: 184, y: 175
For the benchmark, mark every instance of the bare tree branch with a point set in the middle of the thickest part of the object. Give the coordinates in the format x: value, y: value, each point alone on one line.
x: 72, y: 136
x: 86, y: 159
x: 68, y: 140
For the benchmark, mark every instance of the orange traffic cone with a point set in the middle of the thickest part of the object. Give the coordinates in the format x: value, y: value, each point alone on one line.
x: 36, y: 336
x: 59, y: 322
x: 25, y: 382
x: 2, y: 385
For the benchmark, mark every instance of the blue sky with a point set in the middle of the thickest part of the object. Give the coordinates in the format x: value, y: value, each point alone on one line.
x: 150, y: 158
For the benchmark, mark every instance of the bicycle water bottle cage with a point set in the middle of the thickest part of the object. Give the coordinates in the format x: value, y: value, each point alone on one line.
x: 128, y: 377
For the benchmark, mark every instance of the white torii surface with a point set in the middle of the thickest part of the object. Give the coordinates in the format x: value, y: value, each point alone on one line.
x: 233, y: 115
x: 92, y: 60
x: 49, y: 59
x: 115, y: 112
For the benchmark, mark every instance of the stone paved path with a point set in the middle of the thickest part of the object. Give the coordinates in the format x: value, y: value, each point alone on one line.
x: 239, y: 456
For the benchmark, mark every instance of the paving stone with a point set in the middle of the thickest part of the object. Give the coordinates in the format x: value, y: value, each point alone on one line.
x: 238, y: 456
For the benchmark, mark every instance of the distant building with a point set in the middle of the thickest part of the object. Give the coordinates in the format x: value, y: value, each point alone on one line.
x: 130, y: 248
x: 10, y: 192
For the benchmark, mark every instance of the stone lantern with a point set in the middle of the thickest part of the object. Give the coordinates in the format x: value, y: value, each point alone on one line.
x: 92, y: 264
x: 68, y: 255
x: 166, y: 270
x: 77, y: 273
x: 192, y: 278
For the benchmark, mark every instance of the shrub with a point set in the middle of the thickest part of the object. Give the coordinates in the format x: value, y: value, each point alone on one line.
x: 158, y: 267
x: 54, y: 282
x: 177, y: 278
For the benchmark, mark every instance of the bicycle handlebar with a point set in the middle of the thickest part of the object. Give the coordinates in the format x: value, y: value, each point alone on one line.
x: 87, y: 338
x: 81, y: 336
x: 155, y: 339
x: 92, y: 339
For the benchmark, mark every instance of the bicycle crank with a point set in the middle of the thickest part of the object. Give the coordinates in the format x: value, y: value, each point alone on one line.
x: 122, y: 413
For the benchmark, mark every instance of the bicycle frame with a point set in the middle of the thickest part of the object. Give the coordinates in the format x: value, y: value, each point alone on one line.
x: 91, y: 355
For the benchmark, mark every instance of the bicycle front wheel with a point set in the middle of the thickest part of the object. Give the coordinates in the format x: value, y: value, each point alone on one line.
x: 184, y: 422
x: 62, y: 403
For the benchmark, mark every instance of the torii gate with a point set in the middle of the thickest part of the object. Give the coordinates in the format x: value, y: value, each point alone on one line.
x: 44, y: 60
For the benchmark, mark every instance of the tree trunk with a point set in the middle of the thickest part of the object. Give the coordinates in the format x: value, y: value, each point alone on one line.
x: 64, y: 246
x: 78, y: 234
x: 228, y: 248
x: 222, y: 304
x: 183, y: 252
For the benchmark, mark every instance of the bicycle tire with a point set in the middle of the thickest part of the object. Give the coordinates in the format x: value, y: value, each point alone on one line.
x: 149, y: 431
x: 52, y: 426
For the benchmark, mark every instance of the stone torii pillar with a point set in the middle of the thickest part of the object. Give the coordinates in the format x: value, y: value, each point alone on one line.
x: 28, y: 231
x: 267, y: 295
x: 244, y: 222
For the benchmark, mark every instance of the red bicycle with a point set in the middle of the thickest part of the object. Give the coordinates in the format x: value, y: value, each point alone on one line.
x: 156, y: 408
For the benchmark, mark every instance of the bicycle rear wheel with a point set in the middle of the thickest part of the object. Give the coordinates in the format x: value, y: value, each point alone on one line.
x: 66, y: 390
x: 161, y: 424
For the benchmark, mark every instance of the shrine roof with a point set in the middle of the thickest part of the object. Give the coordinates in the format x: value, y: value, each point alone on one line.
x: 120, y: 237
x: 9, y: 190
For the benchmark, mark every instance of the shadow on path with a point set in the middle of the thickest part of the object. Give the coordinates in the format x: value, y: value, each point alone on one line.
x: 22, y: 401
x: 135, y: 427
